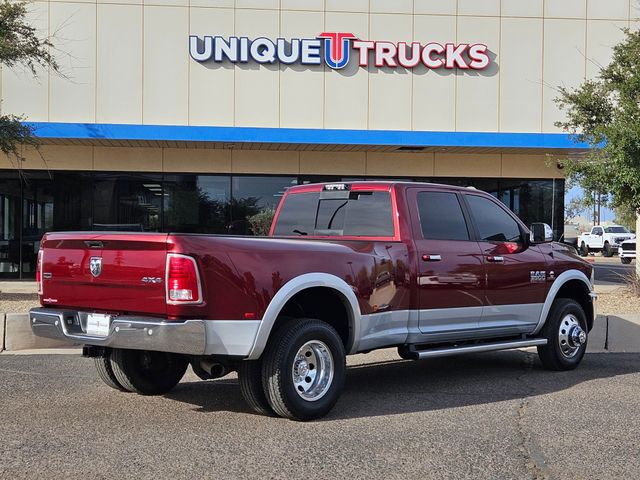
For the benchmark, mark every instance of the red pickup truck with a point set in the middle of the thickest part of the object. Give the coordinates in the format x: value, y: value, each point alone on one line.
x: 348, y: 268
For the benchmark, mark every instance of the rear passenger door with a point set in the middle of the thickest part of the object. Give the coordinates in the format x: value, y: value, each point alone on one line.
x: 516, y: 273
x: 450, y: 270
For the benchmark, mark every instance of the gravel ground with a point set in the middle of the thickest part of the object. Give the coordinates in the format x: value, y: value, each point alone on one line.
x: 17, y: 302
x: 619, y: 302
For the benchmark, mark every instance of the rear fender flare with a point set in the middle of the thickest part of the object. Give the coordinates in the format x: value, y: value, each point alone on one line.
x: 563, y: 278
x: 296, y: 285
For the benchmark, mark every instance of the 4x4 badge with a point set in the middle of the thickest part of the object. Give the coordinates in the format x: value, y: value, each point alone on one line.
x: 95, y: 266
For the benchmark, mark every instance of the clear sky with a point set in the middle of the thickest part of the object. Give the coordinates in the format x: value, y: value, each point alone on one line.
x: 606, y: 213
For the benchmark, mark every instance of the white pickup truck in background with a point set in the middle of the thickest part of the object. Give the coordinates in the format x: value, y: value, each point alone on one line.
x: 604, y: 239
x: 627, y: 251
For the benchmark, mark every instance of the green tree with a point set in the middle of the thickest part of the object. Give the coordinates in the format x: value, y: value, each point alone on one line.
x: 626, y: 217
x: 605, y: 113
x: 20, y: 46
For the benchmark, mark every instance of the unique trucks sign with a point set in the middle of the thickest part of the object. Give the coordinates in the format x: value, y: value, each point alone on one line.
x: 335, y: 49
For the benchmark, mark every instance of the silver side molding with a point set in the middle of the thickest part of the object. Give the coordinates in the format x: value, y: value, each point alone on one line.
x: 487, y: 347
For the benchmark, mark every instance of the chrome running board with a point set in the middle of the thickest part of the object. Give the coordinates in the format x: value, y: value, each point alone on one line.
x: 485, y: 347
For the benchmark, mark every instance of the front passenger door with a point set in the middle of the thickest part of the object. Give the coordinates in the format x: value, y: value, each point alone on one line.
x: 516, y: 273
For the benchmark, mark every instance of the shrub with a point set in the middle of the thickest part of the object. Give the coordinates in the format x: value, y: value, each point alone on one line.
x: 632, y: 279
x: 261, y: 222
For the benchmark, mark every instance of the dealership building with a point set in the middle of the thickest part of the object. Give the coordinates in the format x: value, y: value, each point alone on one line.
x: 193, y: 115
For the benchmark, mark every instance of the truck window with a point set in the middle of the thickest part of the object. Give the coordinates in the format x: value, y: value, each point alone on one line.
x: 367, y: 214
x: 441, y: 216
x: 493, y: 223
x: 616, y: 230
x: 297, y: 215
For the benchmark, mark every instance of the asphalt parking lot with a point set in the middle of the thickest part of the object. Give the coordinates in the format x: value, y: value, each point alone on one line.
x: 494, y: 415
x: 610, y: 271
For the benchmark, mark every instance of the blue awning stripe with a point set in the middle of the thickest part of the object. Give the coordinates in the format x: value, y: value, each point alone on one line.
x: 181, y: 133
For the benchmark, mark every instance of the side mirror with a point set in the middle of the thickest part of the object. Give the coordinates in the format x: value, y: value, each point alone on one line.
x: 541, y: 233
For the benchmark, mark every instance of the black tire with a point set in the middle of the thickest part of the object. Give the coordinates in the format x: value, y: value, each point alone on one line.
x: 252, y: 388
x: 563, y: 310
x: 607, y: 251
x: 105, y: 372
x: 279, y: 361
x: 146, y: 372
x: 625, y: 260
x: 403, y: 352
x: 584, y: 250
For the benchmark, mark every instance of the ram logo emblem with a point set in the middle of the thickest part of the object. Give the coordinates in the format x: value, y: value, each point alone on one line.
x: 95, y: 266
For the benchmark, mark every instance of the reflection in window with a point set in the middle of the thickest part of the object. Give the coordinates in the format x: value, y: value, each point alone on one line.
x: 531, y: 200
x: 126, y: 202
x: 10, y: 197
x: 197, y: 203
x: 52, y: 202
x: 251, y: 195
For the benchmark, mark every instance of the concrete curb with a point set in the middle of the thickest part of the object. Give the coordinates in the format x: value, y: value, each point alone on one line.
x: 623, y: 334
x: 1, y: 332
x: 46, y: 351
x: 18, y: 335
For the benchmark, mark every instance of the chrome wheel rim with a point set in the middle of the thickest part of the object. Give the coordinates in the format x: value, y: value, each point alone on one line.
x: 312, y: 370
x: 571, y: 336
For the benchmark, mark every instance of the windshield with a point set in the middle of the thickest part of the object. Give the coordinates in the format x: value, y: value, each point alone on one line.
x: 367, y: 214
x: 616, y: 230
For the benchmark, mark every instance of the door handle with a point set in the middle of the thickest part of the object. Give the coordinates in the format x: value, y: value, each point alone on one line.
x: 495, y: 259
x: 431, y: 258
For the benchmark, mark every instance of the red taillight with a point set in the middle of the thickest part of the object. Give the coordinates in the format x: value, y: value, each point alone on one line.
x: 39, y: 272
x: 182, y: 280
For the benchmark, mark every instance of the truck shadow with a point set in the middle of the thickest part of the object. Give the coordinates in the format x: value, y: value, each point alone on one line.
x: 393, y: 386
x: 431, y: 385
x: 399, y: 386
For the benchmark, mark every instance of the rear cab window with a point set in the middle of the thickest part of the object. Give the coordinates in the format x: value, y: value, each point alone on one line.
x: 340, y: 211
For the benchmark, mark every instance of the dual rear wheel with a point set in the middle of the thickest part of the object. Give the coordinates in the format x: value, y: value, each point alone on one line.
x: 301, y: 373
x: 141, y: 371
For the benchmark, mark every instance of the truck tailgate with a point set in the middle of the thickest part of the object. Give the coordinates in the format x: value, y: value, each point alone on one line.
x: 128, y: 271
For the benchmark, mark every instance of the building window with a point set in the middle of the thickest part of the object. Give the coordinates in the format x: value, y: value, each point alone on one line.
x: 10, y: 201
x: 197, y: 203
x: 251, y: 195
x: 127, y: 202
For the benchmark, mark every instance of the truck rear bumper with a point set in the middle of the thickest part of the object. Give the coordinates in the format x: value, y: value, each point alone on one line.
x: 192, y: 337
